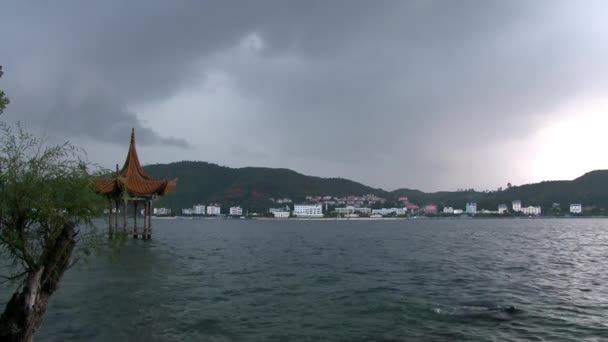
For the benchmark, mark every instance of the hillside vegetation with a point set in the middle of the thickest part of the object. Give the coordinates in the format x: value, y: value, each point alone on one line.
x: 251, y: 187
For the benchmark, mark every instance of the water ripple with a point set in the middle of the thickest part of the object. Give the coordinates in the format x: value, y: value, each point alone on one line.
x: 419, y: 280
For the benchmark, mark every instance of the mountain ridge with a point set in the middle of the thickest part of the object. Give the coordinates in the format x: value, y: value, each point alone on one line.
x: 251, y: 187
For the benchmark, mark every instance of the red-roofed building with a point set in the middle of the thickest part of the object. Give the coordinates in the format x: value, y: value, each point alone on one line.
x: 430, y: 209
x: 411, y: 207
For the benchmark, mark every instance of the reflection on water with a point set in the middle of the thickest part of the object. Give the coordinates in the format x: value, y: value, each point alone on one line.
x: 424, y: 280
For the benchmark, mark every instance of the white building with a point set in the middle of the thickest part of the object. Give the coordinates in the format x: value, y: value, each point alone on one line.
x: 516, y: 206
x: 308, y: 210
x: 471, y: 208
x: 576, y: 208
x: 531, y: 210
x: 400, y: 211
x: 214, y: 209
x: 352, y: 209
x: 458, y: 211
x: 187, y: 211
x: 383, y: 211
x: 236, y: 211
x: 366, y: 211
x: 502, y: 208
x: 280, y: 214
x: 448, y: 210
x: 346, y: 210
x: 162, y: 211
x: 198, y: 209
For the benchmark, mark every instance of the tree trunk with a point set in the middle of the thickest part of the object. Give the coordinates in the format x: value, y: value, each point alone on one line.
x: 24, y: 312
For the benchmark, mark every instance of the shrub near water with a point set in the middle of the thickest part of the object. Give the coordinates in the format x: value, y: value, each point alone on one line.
x: 45, y: 194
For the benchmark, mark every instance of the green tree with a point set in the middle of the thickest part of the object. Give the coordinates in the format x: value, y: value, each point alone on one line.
x: 3, y: 99
x: 46, y: 198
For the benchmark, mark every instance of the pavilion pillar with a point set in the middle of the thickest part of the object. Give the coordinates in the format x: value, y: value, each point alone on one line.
x: 149, y: 219
x: 144, y: 235
x: 110, y: 217
x: 135, y: 220
x: 116, y: 215
x: 124, y: 217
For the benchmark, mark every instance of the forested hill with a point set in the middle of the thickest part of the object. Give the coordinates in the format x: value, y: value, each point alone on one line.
x: 251, y: 187
x: 590, y: 189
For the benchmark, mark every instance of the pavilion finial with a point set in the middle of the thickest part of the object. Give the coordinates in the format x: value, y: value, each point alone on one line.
x: 133, y: 135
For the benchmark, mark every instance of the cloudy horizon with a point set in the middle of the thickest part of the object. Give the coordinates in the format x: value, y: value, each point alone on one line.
x: 430, y: 95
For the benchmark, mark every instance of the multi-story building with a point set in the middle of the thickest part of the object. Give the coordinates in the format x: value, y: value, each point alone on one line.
x: 384, y: 211
x: 198, y: 209
x: 236, y: 211
x: 502, y: 208
x: 187, y: 211
x: 280, y: 214
x: 214, y: 209
x: 346, y: 210
x: 471, y: 208
x: 400, y: 211
x: 576, y: 208
x: 162, y: 211
x: 373, y: 199
x: 388, y: 211
x: 308, y: 210
x: 448, y: 210
x: 363, y: 210
x: 531, y: 210
x: 411, y: 207
x: 516, y: 206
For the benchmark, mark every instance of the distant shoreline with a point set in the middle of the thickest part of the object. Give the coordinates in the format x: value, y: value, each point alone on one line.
x: 377, y: 218
x: 423, y: 218
x: 332, y: 218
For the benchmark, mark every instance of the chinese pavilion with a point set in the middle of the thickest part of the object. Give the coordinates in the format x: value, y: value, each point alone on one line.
x: 131, y: 184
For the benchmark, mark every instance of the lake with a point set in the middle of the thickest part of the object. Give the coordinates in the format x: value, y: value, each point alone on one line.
x: 402, y: 280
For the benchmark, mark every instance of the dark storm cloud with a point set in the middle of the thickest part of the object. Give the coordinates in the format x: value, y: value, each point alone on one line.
x: 388, y: 84
x: 79, y: 107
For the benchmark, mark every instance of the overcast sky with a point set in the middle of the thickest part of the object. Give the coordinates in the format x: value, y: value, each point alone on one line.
x: 419, y: 94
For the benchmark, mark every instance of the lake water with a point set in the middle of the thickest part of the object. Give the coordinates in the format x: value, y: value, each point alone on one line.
x: 408, y: 280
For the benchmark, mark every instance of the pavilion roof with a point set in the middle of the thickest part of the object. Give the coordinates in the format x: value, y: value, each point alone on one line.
x: 133, y: 179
